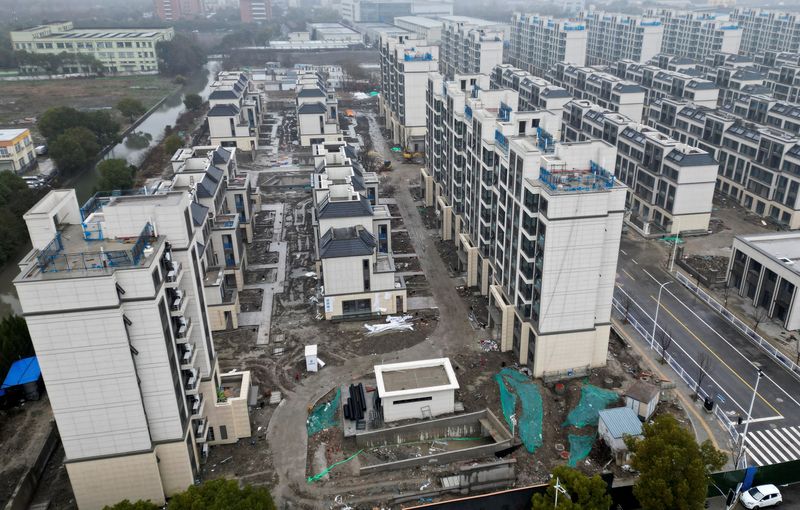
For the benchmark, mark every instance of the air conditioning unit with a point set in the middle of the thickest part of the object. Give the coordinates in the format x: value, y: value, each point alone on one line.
x: 205, y: 450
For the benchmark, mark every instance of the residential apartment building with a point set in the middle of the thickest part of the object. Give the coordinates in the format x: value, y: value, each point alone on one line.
x: 255, y: 11
x: 767, y: 30
x: 536, y: 224
x: 671, y: 184
x: 119, y: 50
x: 469, y: 46
x: 112, y: 295
x: 317, y: 112
x: 782, y: 74
x: 537, y: 43
x: 759, y: 164
x: 429, y: 29
x: 763, y: 269
x: 17, y: 152
x: 534, y: 93
x: 615, y: 37
x: 405, y: 63
x: 659, y: 83
x: 604, y: 89
x: 236, y: 111
x: 353, y: 239
x: 173, y: 10
x: 697, y: 35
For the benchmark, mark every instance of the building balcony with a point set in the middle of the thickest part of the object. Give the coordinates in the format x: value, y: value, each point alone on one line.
x: 182, y: 328
x: 174, y: 274
x: 200, y: 427
x: 196, y: 404
x: 226, y: 222
x: 191, y: 381
x: 179, y: 303
x: 188, y: 355
x: 384, y: 263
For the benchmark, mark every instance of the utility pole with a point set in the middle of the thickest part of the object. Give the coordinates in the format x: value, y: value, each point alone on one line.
x: 658, y: 306
x: 559, y: 488
x: 749, y: 417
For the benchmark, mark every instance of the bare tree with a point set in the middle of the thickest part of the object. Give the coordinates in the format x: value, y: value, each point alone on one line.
x: 626, y: 307
x: 725, y: 292
x: 762, y: 314
x: 664, y: 339
x: 703, y: 365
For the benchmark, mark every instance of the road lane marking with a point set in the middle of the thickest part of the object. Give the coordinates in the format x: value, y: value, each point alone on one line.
x: 759, y: 420
x: 634, y: 261
x: 623, y: 252
x: 758, y: 460
x: 627, y: 273
x: 780, y: 442
x: 666, y: 309
x: 789, y: 441
x: 755, y: 442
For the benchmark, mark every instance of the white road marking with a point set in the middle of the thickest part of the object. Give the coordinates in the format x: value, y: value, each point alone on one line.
x: 634, y: 261
x: 755, y: 441
x: 758, y: 460
x: 768, y: 418
x: 623, y: 252
x: 779, y: 442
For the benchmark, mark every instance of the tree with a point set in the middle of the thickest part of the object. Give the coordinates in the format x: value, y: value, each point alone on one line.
x: 762, y: 314
x: 583, y: 493
x: 664, y: 339
x: 131, y: 108
x: 179, y: 56
x: 74, y: 150
x: 56, y: 120
x: 673, y: 468
x: 115, y: 174
x: 703, y: 364
x: 172, y: 143
x: 136, y: 505
x: 15, y: 200
x: 222, y: 494
x: 15, y: 342
x: 193, y: 102
x: 104, y: 127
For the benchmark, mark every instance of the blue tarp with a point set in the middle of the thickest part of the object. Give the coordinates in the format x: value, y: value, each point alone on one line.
x: 22, y: 372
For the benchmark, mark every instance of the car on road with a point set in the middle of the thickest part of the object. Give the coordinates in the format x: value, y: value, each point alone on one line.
x: 763, y: 496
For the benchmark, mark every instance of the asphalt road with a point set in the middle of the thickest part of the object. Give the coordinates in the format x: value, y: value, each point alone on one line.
x: 699, y: 333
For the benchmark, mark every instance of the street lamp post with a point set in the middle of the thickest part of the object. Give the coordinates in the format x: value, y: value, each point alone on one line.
x: 658, y: 305
x: 749, y: 417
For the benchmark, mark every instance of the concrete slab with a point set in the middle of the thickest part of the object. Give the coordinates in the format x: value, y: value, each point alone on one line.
x: 420, y: 303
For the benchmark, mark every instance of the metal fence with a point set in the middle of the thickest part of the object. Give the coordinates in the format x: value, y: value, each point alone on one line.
x: 687, y: 378
x: 765, y: 346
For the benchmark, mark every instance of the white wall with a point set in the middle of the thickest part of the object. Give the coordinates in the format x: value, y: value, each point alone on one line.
x: 442, y: 402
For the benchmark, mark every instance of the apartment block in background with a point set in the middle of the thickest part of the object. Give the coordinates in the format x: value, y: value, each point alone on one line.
x: 353, y: 239
x: 697, y: 35
x: 317, y: 111
x: 174, y: 10
x: 538, y: 42
x: 236, y: 111
x: 783, y: 74
x: 469, y: 46
x: 255, y: 11
x: 671, y: 184
x: 615, y: 37
x: 429, y: 29
x: 112, y: 294
x: 767, y: 30
x: 405, y: 63
x: 604, y: 89
x: 534, y: 93
x: 17, y: 153
x: 659, y: 83
x: 123, y: 50
x: 536, y: 223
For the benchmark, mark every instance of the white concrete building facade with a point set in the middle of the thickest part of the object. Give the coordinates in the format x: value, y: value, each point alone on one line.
x: 697, y: 35
x: 538, y: 42
x: 615, y: 37
x: 416, y: 389
x: 469, y: 46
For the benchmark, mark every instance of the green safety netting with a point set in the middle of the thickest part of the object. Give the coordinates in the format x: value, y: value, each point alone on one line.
x: 593, y: 400
x: 324, y: 415
x: 516, y: 386
x: 579, y: 448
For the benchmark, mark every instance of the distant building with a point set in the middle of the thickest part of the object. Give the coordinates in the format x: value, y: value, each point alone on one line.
x: 425, y: 28
x: 604, y: 89
x: 696, y: 35
x: 534, y: 93
x: 614, y: 37
x: 660, y: 83
x: 123, y: 50
x: 174, y: 10
x: 333, y: 32
x: 469, y: 46
x: 767, y: 30
x: 255, y: 11
x: 385, y: 11
x: 317, y: 112
x: 538, y: 42
x: 16, y: 150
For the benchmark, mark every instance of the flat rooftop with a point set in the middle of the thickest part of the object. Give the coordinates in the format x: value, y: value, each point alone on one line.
x: 398, y: 379
x: 420, y: 21
x: 6, y: 135
x: 782, y: 248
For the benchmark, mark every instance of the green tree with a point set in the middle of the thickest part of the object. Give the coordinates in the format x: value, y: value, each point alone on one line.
x: 673, y: 468
x: 15, y: 342
x: 171, y: 144
x: 131, y: 108
x: 15, y: 199
x: 104, y: 127
x: 56, y: 120
x: 193, y: 102
x: 136, y: 505
x: 115, y: 174
x: 74, y: 150
x: 222, y: 494
x: 179, y: 56
x: 583, y: 493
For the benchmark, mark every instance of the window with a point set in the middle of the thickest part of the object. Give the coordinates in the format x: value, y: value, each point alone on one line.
x: 411, y: 400
x: 223, y: 432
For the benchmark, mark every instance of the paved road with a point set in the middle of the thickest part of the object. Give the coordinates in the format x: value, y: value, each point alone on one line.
x: 733, y: 360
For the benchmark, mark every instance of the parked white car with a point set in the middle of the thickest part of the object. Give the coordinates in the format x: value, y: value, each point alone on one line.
x: 763, y: 496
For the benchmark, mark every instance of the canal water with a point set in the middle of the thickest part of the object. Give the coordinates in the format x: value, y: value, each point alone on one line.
x: 153, y: 130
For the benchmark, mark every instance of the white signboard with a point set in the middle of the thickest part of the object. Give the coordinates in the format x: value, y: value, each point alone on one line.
x: 328, y: 305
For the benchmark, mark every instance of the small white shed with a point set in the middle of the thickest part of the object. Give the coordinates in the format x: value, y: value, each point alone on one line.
x: 614, y: 425
x: 416, y: 389
x: 642, y: 397
x: 311, y: 358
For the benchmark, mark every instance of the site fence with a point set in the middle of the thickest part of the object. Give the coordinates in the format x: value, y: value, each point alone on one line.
x: 686, y: 377
x: 765, y: 346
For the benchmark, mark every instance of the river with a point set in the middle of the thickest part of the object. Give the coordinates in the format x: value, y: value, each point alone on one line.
x: 166, y: 114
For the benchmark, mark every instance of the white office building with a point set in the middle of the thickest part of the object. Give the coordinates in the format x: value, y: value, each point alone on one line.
x: 536, y: 223
x: 538, y: 42
x: 469, y: 46
x: 697, y: 35
x: 405, y: 64
x: 114, y: 301
x: 429, y: 29
x: 615, y: 37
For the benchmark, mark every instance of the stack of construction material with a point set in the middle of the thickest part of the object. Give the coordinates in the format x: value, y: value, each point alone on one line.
x: 356, y: 403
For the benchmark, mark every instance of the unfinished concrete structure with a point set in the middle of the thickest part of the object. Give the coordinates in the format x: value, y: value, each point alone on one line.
x: 416, y: 389
x: 317, y: 111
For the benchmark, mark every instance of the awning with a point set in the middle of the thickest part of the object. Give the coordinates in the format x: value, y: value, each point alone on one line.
x: 22, y: 372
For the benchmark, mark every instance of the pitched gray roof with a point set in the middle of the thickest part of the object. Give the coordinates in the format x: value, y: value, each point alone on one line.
x: 555, y: 92
x: 199, y: 213
x: 220, y: 155
x: 346, y: 242
x: 344, y: 209
x: 691, y: 159
x: 223, y: 94
x: 207, y: 187
x: 311, y: 92
x: 642, y: 391
x: 223, y: 110
x: 311, y: 108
